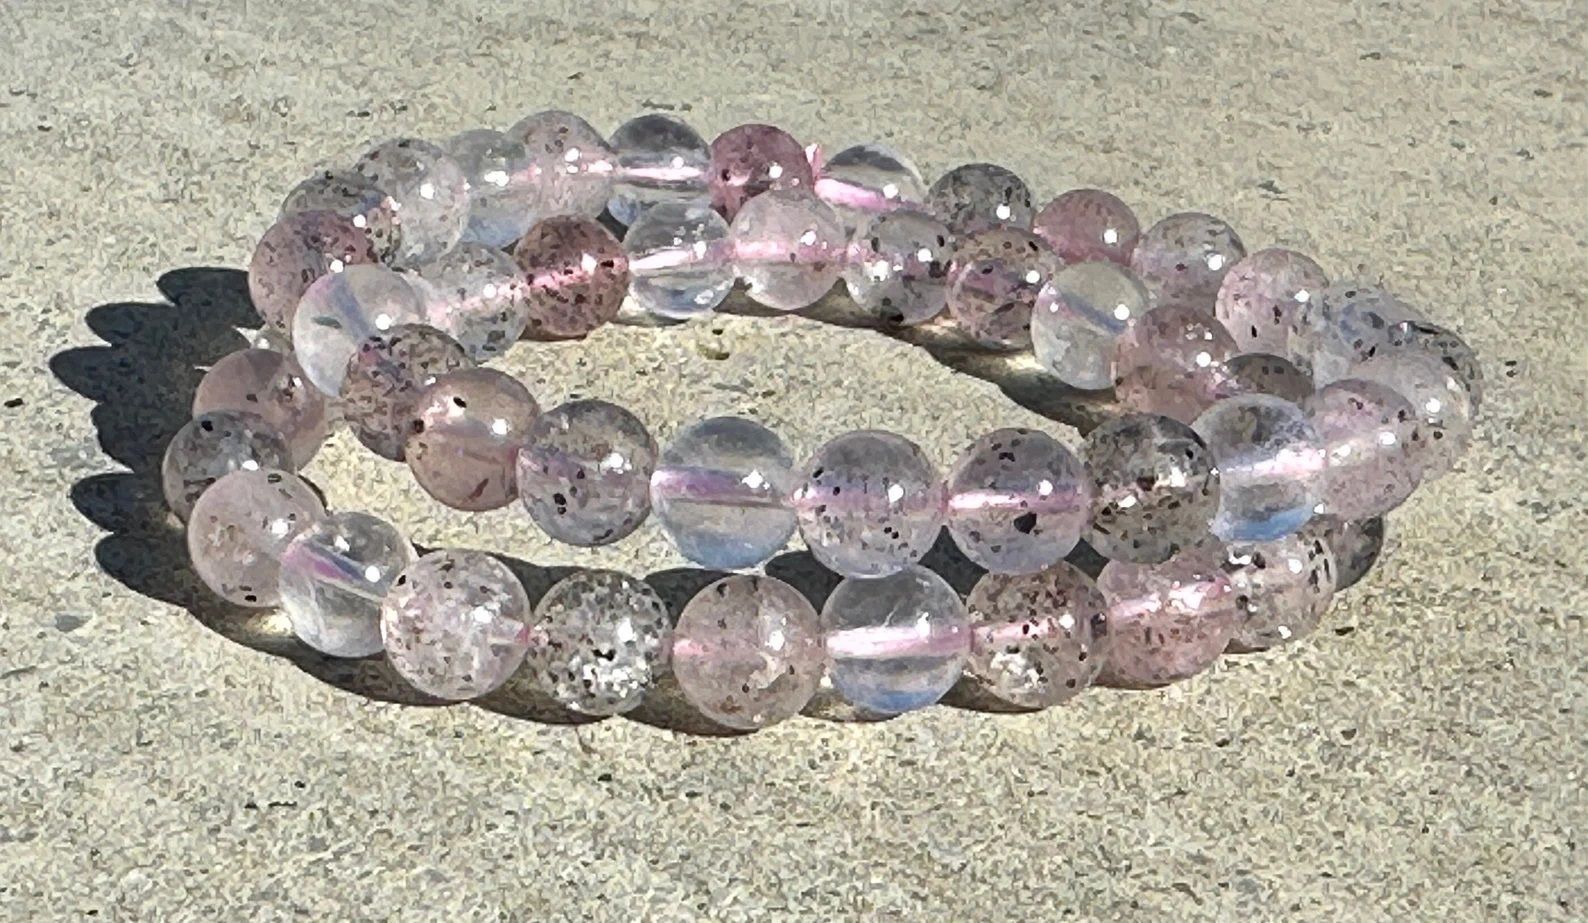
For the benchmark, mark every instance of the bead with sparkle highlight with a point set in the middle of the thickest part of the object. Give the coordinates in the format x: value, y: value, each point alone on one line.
x: 788, y: 247
x: 455, y: 624
x: 240, y: 527
x: 340, y: 311
x: 1167, y: 622
x: 500, y: 197
x: 334, y: 575
x: 1439, y: 398
x: 213, y: 445
x: 720, y: 491
x: 659, y: 159
x: 1282, y: 588
x: 993, y: 285
x: 1078, y: 319
x: 384, y: 377
x: 679, y: 259
x: 577, y: 275
x: 465, y: 432
x: 599, y: 642
x: 1260, y: 297
x: 430, y: 193
x: 978, y: 196
x: 895, y: 643
x: 272, y: 385
x: 869, y: 504
x: 584, y: 472
x: 866, y: 180
x: 1154, y: 488
x: 570, y: 168
x: 355, y: 198
x: 1088, y: 224
x: 1183, y: 259
x: 1271, y: 466
x: 1170, y: 362
x: 1036, y: 639
x: 1018, y: 501
x: 294, y: 253
x: 898, y: 267
x: 1371, y: 440
x: 749, y: 160
x: 475, y: 294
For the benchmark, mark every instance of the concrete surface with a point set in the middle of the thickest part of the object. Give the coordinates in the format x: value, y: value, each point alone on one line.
x: 166, y: 759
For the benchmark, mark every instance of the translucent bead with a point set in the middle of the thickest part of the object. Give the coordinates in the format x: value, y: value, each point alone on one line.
x: 455, y: 624
x: 1449, y: 348
x: 1282, y: 589
x: 1017, y: 501
x: 1183, y: 259
x: 501, y: 199
x: 899, y: 267
x: 429, y: 189
x: 1271, y: 466
x: 1169, y: 621
x: 679, y: 259
x: 993, y: 285
x: 1261, y: 373
x: 1261, y: 296
x: 334, y: 575
x: 1438, y: 396
x: 343, y: 310
x: 601, y: 639
x: 979, y: 196
x: 721, y: 490
x: 1078, y: 317
x: 751, y: 159
x: 1370, y: 440
x: 866, y: 180
x: 241, y: 525
x: 384, y: 377
x: 464, y: 437
x: 1037, y: 639
x: 1354, y: 545
x: 475, y: 294
x: 296, y: 251
x: 272, y: 385
x: 895, y: 643
x: 570, y: 164
x: 1086, y: 225
x: 577, y: 275
x: 1154, y: 488
x: 354, y: 198
x: 1170, y: 362
x: 584, y: 472
x: 869, y: 504
x: 788, y: 248
x: 747, y: 651
x: 1343, y: 325
x: 659, y: 159
x: 213, y: 445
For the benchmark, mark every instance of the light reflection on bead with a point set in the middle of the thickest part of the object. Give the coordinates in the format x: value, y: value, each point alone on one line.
x: 993, y: 285
x: 1183, y: 259
x: 1078, y: 318
x: 334, y: 575
x: 429, y: 190
x: 679, y: 259
x: 866, y: 180
x: 1038, y: 639
x: 1018, y: 501
x: 241, y: 525
x: 1282, y: 589
x: 788, y: 247
x: 1088, y: 224
x: 455, y: 624
x: 659, y: 159
x: 1271, y: 466
x: 720, y: 490
x: 1167, y: 622
x: 272, y: 385
x: 584, y: 472
x: 1371, y: 440
x: 979, y: 196
x: 340, y: 311
x: 869, y: 504
x: 898, y: 267
x: 213, y: 445
x: 895, y: 643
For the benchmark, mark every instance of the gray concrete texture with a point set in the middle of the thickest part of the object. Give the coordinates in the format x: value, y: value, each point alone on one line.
x: 165, y: 758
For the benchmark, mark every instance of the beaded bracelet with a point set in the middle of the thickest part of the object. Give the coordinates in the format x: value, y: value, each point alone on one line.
x: 1269, y: 418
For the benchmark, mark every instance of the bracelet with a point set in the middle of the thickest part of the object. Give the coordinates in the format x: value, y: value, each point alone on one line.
x: 1268, y: 420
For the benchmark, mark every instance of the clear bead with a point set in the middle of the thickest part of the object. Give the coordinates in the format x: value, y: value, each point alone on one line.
x: 240, y: 527
x: 721, y: 490
x: 1018, y: 501
x: 1371, y: 440
x: 213, y: 445
x: 659, y: 159
x: 869, y: 504
x: 895, y: 643
x: 1271, y: 466
x: 866, y: 180
x: 1154, y: 488
x: 788, y: 248
x: 570, y: 165
x: 1079, y: 316
x: 272, y: 385
x: 295, y: 252
x: 679, y: 259
x: 979, y: 196
x: 600, y: 640
x: 1183, y: 259
x: 334, y: 575
x: 385, y: 376
x: 898, y: 267
x: 584, y: 472
x: 475, y: 294
x: 340, y: 311
x: 354, y: 198
x: 464, y: 437
x: 501, y: 199
x: 429, y: 189
x: 1037, y: 639
x: 455, y: 624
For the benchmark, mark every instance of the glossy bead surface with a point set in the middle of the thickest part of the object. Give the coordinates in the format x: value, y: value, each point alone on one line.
x: 475, y: 294
x: 340, y: 311
x: 1271, y: 466
x: 1355, y: 545
x: 869, y: 503
x: 1168, y: 621
x: 1183, y: 259
x: 1345, y: 324
x: 570, y: 165
x: 1036, y: 639
x: 866, y: 180
x: 1170, y: 362
x: 1422, y: 337
x: 1079, y: 316
x: 659, y: 159
x: 899, y: 267
x: 1282, y: 589
x: 1262, y: 373
x: 979, y: 196
x: 430, y: 192
x: 584, y: 472
x: 1371, y: 440
x: 751, y: 159
x: 993, y: 285
x: 895, y: 643
x: 1085, y: 225
x: 720, y: 490
x: 1439, y: 398
x: 355, y: 198
x: 455, y: 624
x: 464, y: 437
x: 272, y: 385
x: 213, y: 445
x: 297, y: 250
x: 384, y: 377
x: 501, y: 199
x: 679, y: 259
x: 788, y: 247
x: 241, y: 525
x: 600, y: 640
x: 1018, y: 501
x: 1154, y: 488
x: 1262, y: 294
x: 747, y: 651
x: 577, y: 275
x: 334, y: 574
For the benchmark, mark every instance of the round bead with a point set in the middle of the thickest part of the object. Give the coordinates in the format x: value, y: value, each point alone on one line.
x: 1168, y: 621
x: 584, y: 472
x: 866, y: 180
x: 1086, y: 225
x: 455, y: 624
x: 297, y: 250
x: 341, y: 311
x: 1370, y: 440
x: 272, y: 385
x: 577, y: 275
x: 1341, y: 326
x: 979, y: 196
x: 1036, y: 639
x: 213, y: 445
x: 747, y: 651
x: 1439, y: 398
x: 465, y: 434
x: 1271, y: 466
x: 1282, y: 589
x: 1017, y: 501
x: 354, y: 198
x: 659, y: 159
x: 384, y: 377
x: 570, y: 165
x: 869, y: 504
x: 1183, y: 259
x: 1354, y: 545
x: 429, y: 189
x: 601, y: 638
x: 721, y: 490
x: 1261, y: 295
x: 679, y: 258
x: 788, y: 247
x: 496, y: 169
x: 1170, y: 362
x: 475, y: 294
x: 899, y: 267
x: 241, y: 525
x: 895, y: 643
x: 993, y: 285
x: 1452, y: 350
x: 334, y: 575
x: 1261, y: 373
x: 751, y: 159
x: 1154, y: 488
x: 1078, y: 317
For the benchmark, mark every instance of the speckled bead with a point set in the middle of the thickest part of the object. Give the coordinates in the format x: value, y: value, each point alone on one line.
x: 1262, y: 373
x: 869, y: 504
x: 1169, y: 621
x: 577, y: 275
x: 465, y: 432
x: 1282, y: 589
x: 1170, y: 362
x: 1018, y: 501
x: 680, y: 259
x: 272, y: 385
x: 751, y: 159
x: 1085, y: 225
x: 571, y: 167
x: 1078, y: 318
x: 1037, y: 639
x: 720, y: 490
x: 584, y: 472
x: 213, y: 445
x: 297, y: 250
x: 1343, y: 325
x: 788, y: 247
x: 1419, y: 336
x: 659, y: 159
x: 455, y: 624
x: 1154, y: 488
x: 600, y: 640
x: 355, y: 198
x: 1355, y: 546
x: 384, y: 377
x: 501, y: 199
x: 895, y: 643
x: 898, y: 267
x: 429, y: 189
x: 340, y: 311
x: 993, y: 285
x: 241, y: 525
x: 1371, y: 443
x: 334, y: 574
x: 1439, y: 398
x: 866, y: 180
x: 476, y: 295
x: 1271, y: 466
x: 1261, y: 295
x: 978, y: 196
x: 1183, y: 259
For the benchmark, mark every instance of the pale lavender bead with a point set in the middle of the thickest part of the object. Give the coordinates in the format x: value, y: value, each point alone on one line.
x: 385, y: 376
x: 866, y: 180
x: 1154, y: 488
x: 720, y: 490
x: 1355, y: 545
x: 464, y: 437
x: 501, y: 198
x: 747, y: 651
x: 895, y: 643
x: 1261, y: 296
x: 1449, y: 348
x: 429, y: 189
x: 1282, y: 589
x: 1168, y: 621
x: 340, y: 311
x: 1018, y: 501
x: 272, y: 385
x: 679, y: 259
x: 659, y: 159
x: 1079, y: 316
x: 334, y: 575
x: 475, y: 294
x: 1371, y: 441
x: 295, y: 252
x: 1261, y: 373
x: 1271, y: 466
x: 751, y: 159
x: 788, y: 247
x: 600, y: 640
x: 869, y: 504
x: 898, y: 267
x: 1183, y: 258
x: 576, y: 275
x: 455, y: 624
x: 1039, y: 639
x: 993, y: 285
x: 584, y: 472
x: 213, y: 445
x: 241, y: 525
x: 1170, y: 362
x: 1344, y: 324
x: 1437, y: 395
x: 570, y: 165
x: 355, y: 198
x: 1086, y: 225
x: 979, y: 196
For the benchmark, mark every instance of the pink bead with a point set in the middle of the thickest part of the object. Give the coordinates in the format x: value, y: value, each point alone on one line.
x: 751, y: 159
x: 464, y: 437
x: 1371, y: 436
x: 578, y: 274
x: 1170, y: 362
x: 272, y: 385
x: 455, y: 624
x: 212, y: 446
x: 788, y: 248
x: 384, y: 377
x: 1168, y: 621
x: 1261, y: 296
x: 1282, y: 587
x: 296, y: 251
x: 993, y: 285
x: 1036, y: 639
x: 1438, y: 394
x: 1083, y: 225
x: 240, y: 527
x: 1183, y: 258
